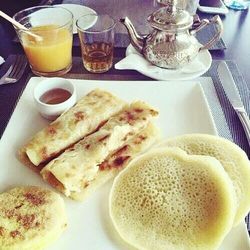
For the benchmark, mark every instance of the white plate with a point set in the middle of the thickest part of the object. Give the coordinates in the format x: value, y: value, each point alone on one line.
x: 183, y: 109
x: 135, y: 61
x: 77, y: 10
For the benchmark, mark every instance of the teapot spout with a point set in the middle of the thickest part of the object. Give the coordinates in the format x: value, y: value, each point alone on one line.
x: 136, y: 40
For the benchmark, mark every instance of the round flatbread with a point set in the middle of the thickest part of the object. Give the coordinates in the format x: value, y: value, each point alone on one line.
x: 233, y: 159
x: 30, y: 218
x: 167, y: 199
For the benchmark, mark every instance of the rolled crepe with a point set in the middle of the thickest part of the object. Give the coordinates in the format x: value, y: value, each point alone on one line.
x: 74, y: 169
x: 85, y: 117
x: 119, y: 159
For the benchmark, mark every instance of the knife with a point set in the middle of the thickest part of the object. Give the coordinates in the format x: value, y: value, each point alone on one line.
x: 233, y: 96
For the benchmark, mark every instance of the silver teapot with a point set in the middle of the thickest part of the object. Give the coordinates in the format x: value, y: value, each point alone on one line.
x: 172, y: 43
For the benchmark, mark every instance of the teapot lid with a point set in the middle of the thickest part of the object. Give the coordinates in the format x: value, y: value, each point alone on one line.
x: 170, y: 18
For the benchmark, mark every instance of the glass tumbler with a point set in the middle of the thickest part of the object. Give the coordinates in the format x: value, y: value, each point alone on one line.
x: 51, y: 54
x: 96, y: 33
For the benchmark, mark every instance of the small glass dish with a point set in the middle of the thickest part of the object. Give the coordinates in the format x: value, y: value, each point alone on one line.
x: 53, y: 97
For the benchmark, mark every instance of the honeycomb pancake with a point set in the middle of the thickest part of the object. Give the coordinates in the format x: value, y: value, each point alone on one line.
x: 85, y: 117
x: 120, y: 158
x: 233, y: 159
x: 31, y: 218
x: 77, y: 166
x: 166, y: 199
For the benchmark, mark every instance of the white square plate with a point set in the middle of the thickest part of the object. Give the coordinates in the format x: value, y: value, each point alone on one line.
x: 183, y: 109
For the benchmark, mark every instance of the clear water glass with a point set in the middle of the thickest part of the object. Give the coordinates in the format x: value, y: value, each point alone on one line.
x: 237, y: 4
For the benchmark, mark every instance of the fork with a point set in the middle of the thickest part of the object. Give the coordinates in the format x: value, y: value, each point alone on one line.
x: 15, y: 71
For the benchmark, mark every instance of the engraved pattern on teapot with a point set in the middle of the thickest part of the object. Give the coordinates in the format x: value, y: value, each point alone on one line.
x: 168, y: 50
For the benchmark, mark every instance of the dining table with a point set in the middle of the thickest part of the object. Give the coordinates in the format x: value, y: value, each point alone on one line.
x: 233, y: 47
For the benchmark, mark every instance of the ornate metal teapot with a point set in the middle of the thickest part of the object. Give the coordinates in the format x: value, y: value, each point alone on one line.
x: 172, y: 43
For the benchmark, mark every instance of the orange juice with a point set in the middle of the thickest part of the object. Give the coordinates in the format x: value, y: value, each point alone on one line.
x: 51, y: 54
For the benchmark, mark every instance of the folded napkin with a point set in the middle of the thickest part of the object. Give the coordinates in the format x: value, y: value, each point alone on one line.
x: 135, y: 61
x: 1, y: 60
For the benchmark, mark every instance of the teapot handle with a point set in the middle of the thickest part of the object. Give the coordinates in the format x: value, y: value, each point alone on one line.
x: 203, y: 23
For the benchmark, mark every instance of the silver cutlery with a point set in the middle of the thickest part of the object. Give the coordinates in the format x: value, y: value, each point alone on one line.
x: 233, y: 96
x: 15, y: 71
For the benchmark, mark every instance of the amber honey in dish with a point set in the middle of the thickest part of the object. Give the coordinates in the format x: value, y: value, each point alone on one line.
x: 55, y: 96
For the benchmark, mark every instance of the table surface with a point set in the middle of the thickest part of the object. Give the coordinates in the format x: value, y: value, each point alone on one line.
x: 236, y: 28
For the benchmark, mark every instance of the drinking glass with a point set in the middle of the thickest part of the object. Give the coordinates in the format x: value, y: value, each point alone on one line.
x: 96, y: 33
x: 52, y: 54
x: 237, y: 4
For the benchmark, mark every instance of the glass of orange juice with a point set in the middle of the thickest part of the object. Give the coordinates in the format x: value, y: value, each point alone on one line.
x: 51, y: 54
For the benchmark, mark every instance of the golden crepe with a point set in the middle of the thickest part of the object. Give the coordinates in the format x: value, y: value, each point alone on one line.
x: 31, y: 218
x: 233, y: 159
x: 77, y: 166
x: 119, y: 159
x: 86, y: 116
x: 167, y: 199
